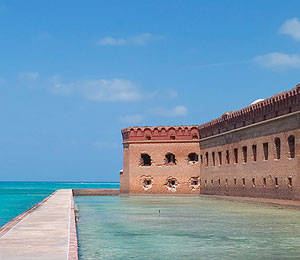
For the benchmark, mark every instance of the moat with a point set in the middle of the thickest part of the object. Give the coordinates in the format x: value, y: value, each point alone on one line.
x: 148, y: 227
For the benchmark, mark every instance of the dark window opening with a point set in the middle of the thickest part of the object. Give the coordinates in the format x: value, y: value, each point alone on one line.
x: 205, y: 183
x: 148, y: 137
x: 213, y: 158
x: 147, y: 182
x: 235, y: 152
x: 220, y: 158
x: 201, y: 158
x: 234, y: 181
x: 219, y: 182
x: 172, y: 137
x: 253, y: 182
x: 291, y: 142
x: 172, y: 183
x: 212, y: 182
x: 266, y: 151
x: 206, y: 158
x: 195, y: 181
x: 290, y: 183
x: 170, y: 158
x: 193, y: 157
x: 226, y: 182
x: 276, y: 181
x: 227, y: 157
x: 277, y: 148
x: 145, y: 159
x: 244, y: 181
x: 254, y: 152
x: 195, y: 136
x: 244, y: 154
x: 264, y: 182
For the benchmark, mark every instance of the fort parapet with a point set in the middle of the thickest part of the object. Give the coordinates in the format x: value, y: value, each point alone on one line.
x: 160, y: 133
x: 278, y: 105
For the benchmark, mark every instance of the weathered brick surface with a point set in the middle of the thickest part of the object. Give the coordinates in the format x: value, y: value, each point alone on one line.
x: 282, y: 168
x: 259, y: 123
x: 185, y: 141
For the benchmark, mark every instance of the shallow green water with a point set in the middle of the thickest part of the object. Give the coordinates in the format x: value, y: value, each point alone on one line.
x: 115, y: 227
x: 18, y: 196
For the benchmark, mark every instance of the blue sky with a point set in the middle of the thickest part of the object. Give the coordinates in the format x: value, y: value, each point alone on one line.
x: 73, y: 73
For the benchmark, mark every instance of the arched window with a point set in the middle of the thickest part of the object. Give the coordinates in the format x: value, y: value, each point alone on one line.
x: 170, y: 158
x: 193, y: 157
x: 277, y: 148
x: 291, y: 141
x: 145, y: 159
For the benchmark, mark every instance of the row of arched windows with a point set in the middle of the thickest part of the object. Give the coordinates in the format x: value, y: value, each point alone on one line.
x: 265, y: 148
x: 170, y: 159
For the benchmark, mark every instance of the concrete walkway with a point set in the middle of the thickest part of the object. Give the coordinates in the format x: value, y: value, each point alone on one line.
x: 46, y: 232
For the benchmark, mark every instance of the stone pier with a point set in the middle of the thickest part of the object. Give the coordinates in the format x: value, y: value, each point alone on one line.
x: 45, y: 232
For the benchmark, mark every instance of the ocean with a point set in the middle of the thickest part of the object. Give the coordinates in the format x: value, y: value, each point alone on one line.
x: 177, y: 228
x: 18, y: 196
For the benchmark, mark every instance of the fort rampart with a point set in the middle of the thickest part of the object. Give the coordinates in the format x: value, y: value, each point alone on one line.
x: 251, y: 152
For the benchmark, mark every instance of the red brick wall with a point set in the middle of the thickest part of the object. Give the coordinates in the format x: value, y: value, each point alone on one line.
x: 136, y: 142
x: 262, y: 172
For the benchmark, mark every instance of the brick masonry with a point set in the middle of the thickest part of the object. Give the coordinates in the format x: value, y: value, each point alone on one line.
x: 263, y: 124
x: 161, y: 177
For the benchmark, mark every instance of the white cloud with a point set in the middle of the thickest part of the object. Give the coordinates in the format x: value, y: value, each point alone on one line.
x: 180, y: 111
x: 176, y: 111
x: 132, y: 119
x: 291, y: 27
x: 172, y: 93
x: 140, y: 39
x: 98, y: 90
x: 29, y: 75
x: 278, y: 60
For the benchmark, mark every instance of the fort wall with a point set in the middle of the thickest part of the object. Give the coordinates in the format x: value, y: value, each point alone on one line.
x: 156, y: 160
x: 252, y: 152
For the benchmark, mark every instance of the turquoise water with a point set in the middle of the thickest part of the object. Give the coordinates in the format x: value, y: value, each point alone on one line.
x: 16, y: 197
x: 124, y: 228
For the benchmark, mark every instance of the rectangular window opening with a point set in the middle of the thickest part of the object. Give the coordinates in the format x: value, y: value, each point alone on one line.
x: 213, y: 159
x: 276, y: 181
x: 266, y: 151
x: 220, y: 158
x: 227, y: 157
x: 290, y: 182
x: 219, y: 182
x: 291, y: 142
x: 254, y: 152
x: 277, y: 148
x: 253, y: 182
x: 244, y: 181
x: 234, y: 181
x: 244, y: 154
x: 226, y: 182
x: 264, y: 182
x: 235, y: 152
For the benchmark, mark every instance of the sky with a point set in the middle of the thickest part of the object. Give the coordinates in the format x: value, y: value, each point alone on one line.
x: 74, y: 73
